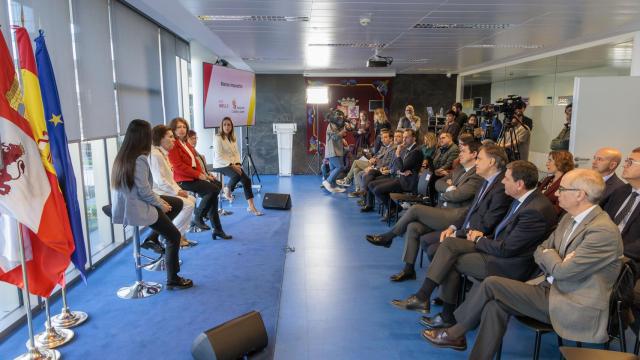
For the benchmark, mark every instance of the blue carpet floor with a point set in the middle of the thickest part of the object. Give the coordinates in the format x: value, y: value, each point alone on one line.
x: 231, y: 278
x: 331, y: 302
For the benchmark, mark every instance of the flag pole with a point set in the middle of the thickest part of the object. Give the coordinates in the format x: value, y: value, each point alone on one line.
x: 51, y: 337
x: 32, y: 353
x: 67, y: 318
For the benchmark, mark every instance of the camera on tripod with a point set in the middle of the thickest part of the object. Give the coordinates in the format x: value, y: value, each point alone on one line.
x: 507, y: 106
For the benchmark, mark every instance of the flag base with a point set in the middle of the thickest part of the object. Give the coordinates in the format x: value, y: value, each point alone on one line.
x: 40, y: 354
x: 52, y: 338
x: 139, y: 290
x: 68, y: 319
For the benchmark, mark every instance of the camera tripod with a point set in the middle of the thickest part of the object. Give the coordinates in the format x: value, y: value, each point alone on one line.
x: 248, y: 159
x: 513, y: 150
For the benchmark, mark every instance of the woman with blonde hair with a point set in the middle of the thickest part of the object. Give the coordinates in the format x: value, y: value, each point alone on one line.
x: 380, y: 122
x: 430, y: 143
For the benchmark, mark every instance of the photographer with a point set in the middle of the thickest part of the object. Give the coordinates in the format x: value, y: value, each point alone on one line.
x: 491, y: 125
x: 521, y: 106
x: 334, y: 149
x: 472, y: 128
x: 515, y: 138
x: 561, y: 142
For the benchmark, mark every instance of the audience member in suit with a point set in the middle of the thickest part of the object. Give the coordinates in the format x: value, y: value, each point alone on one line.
x: 422, y: 219
x: 623, y: 206
x: 450, y: 125
x: 558, y: 163
x: 190, y: 175
x: 380, y: 161
x: 507, y: 252
x: 580, y: 260
x: 605, y: 161
x: 408, y: 162
x: 457, y: 189
x: 135, y: 203
x: 383, y: 172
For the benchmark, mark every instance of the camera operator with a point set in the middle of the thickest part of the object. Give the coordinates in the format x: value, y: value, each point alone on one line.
x: 334, y: 149
x: 521, y: 107
x: 472, y: 128
x: 561, y: 142
x: 491, y: 125
x: 515, y: 138
x: 461, y: 118
x: 409, y: 120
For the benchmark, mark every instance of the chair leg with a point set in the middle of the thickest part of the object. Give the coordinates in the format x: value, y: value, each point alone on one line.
x: 636, y: 348
x: 623, y: 340
x: 499, y: 353
x: 421, y: 256
x: 578, y: 344
x: 536, y: 350
x: 389, y: 213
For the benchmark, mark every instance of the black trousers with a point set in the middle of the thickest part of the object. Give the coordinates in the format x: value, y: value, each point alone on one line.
x: 235, y: 178
x: 165, y: 228
x: 208, y: 192
x: 383, y: 188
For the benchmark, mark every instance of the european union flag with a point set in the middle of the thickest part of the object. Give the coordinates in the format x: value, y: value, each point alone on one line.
x: 60, y: 149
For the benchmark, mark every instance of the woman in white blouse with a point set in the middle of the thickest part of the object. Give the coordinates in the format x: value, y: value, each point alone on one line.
x: 163, y: 183
x: 226, y: 160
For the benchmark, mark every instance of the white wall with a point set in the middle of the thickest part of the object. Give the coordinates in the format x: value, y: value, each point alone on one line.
x: 200, y: 54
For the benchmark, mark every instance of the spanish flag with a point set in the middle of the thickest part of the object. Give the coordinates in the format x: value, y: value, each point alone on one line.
x: 47, y: 228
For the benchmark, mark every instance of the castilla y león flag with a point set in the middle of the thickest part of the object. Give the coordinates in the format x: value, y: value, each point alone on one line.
x: 29, y: 190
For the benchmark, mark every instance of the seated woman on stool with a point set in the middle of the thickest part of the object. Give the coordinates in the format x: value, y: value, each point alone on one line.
x: 135, y: 203
x: 163, y: 183
x: 226, y: 160
x: 190, y: 175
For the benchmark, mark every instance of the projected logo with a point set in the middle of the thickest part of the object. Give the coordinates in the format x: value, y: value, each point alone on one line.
x: 223, y: 105
x: 237, y: 109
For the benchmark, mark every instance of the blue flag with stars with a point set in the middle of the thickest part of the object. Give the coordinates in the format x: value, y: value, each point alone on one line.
x: 60, y: 150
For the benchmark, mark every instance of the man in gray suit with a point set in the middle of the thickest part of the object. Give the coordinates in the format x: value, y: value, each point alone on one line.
x: 580, y: 260
x: 459, y: 188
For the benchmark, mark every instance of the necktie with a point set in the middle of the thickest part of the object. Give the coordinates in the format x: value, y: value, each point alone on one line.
x: 627, y: 208
x: 565, y: 237
x: 504, y: 221
x: 475, y: 203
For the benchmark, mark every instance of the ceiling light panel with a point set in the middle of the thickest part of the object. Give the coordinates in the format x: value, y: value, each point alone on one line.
x: 254, y: 18
x: 438, y: 26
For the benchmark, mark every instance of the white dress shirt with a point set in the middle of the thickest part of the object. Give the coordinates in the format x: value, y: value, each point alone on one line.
x: 163, y: 182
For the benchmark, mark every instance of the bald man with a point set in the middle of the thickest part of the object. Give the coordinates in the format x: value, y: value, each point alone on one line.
x: 605, y: 162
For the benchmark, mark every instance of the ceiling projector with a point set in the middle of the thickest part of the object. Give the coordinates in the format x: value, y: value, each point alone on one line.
x: 379, y: 61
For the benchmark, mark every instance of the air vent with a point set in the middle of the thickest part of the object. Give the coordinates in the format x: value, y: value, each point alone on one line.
x: 354, y: 45
x: 504, y: 46
x: 256, y: 18
x: 413, y: 61
x: 463, y: 26
x: 266, y: 59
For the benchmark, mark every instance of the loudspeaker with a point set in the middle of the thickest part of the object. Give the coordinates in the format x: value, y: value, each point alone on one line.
x: 232, y: 340
x: 276, y: 201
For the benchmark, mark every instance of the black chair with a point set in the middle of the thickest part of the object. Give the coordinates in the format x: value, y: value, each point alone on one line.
x: 420, y: 196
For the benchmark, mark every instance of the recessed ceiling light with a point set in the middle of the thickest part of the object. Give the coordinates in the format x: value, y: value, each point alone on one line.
x: 504, y: 46
x: 463, y: 26
x: 267, y: 18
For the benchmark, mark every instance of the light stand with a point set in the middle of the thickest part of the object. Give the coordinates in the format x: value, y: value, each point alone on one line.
x: 317, y: 95
x: 251, y: 166
x: 316, y: 155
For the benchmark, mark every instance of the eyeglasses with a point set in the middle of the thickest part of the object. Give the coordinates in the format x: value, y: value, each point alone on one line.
x: 629, y: 162
x: 562, y: 189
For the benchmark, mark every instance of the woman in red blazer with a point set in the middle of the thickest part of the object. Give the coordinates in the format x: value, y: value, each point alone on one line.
x: 190, y: 175
x: 558, y: 163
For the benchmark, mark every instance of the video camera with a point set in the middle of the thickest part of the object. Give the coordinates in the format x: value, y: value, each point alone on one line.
x: 508, y: 106
x: 339, y: 119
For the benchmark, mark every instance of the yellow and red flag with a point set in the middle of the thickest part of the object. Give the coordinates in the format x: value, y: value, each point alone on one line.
x: 31, y: 193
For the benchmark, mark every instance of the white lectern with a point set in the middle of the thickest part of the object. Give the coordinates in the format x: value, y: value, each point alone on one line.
x: 285, y: 133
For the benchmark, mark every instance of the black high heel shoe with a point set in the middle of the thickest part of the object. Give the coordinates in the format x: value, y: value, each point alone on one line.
x: 221, y: 234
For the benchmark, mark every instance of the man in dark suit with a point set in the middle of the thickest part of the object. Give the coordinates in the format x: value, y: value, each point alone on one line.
x: 605, y: 162
x: 623, y: 206
x: 581, y: 260
x: 487, y: 209
x: 507, y: 252
x: 408, y: 162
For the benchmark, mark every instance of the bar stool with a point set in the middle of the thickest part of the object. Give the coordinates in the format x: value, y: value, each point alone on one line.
x: 140, y: 288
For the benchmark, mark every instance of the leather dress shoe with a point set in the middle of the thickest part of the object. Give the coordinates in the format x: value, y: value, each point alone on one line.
x: 197, y: 222
x: 179, y: 284
x: 440, y: 338
x: 412, y: 303
x: 403, y: 276
x: 152, y: 243
x: 378, y: 240
x: 437, y: 301
x: 362, y: 203
x: 366, y: 209
x: 220, y: 234
x: 435, y: 322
